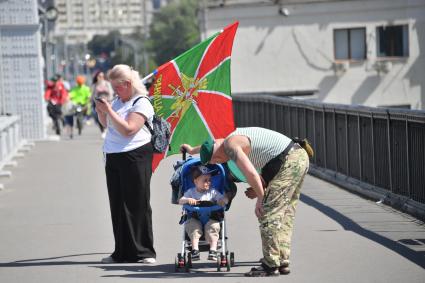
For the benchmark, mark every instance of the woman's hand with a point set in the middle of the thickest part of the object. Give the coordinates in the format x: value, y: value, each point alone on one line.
x: 102, y: 106
x: 259, y: 207
x: 100, y: 110
x: 127, y: 127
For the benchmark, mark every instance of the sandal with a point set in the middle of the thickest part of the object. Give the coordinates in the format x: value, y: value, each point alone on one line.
x: 284, y: 269
x: 262, y: 271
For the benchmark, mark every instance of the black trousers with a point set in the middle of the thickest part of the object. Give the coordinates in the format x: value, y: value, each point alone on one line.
x: 128, y: 176
x: 55, y: 112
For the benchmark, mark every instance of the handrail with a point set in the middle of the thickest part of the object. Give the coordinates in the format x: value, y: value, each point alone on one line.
x: 382, y: 149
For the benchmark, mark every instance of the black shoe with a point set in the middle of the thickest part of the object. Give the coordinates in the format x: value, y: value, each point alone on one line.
x: 284, y: 269
x: 212, y: 255
x: 262, y: 271
x: 195, y: 255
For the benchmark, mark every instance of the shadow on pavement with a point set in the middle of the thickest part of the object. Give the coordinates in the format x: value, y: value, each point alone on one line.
x: 138, y: 270
x: 166, y: 271
x: 47, y: 261
x: 350, y: 225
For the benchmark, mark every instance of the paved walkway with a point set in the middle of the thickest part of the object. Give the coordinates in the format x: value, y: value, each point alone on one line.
x: 55, y: 227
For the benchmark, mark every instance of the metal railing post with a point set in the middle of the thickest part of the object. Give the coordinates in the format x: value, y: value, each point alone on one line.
x: 360, y: 146
x: 314, y: 135
x: 324, y: 136
x: 336, y: 141
x: 389, y: 151
x: 372, y: 123
x: 408, y: 158
x: 346, y: 144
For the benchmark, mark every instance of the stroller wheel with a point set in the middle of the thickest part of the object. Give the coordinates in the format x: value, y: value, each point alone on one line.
x: 232, y: 259
x: 227, y: 264
x: 179, y: 262
x: 188, y: 264
x: 219, y: 263
x: 223, y: 260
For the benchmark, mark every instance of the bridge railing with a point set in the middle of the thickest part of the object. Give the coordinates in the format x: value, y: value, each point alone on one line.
x: 10, y: 142
x: 378, y: 152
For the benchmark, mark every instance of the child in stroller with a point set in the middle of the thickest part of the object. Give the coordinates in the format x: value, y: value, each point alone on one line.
x: 202, y: 191
x: 204, y: 201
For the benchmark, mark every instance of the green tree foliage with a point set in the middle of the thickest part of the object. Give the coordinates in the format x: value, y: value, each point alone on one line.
x: 111, y: 44
x: 174, y: 29
x: 122, y: 57
x: 104, y: 43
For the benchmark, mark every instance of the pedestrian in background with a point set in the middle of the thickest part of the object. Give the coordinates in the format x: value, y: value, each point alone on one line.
x: 128, y: 152
x: 283, y: 164
x: 55, y: 95
x: 101, y: 88
x: 68, y: 111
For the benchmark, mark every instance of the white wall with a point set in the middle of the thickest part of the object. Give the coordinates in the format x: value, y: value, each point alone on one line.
x: 273, y: 53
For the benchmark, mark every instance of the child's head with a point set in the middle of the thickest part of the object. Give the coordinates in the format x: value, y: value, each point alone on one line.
x: 201, y: 176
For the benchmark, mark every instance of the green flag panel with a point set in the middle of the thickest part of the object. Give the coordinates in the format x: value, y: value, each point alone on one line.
x: 163, y: 106
x: 188, y: 62
x: 190, y: 130
x: 215, y: 79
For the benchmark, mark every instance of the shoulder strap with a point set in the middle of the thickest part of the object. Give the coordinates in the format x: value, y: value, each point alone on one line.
x: 146, y: 122
x: 137, y: 99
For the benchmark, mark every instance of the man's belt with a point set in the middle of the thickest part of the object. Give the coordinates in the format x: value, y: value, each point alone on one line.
x: 272, y: 167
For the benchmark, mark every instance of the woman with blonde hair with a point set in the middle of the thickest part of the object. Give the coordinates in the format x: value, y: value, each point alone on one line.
x: 128, y: 165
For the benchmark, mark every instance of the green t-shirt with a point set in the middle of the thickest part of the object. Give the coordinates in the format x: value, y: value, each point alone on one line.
x: 80, y: 95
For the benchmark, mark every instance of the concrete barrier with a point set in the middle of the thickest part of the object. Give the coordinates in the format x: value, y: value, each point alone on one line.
x: 11, y: 143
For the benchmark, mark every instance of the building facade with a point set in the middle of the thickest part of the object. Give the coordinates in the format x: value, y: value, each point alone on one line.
x: 334, y: 51
x: 80, y: 20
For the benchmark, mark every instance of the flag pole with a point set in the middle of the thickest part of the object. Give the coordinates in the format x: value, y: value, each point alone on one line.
x: 149, y: 76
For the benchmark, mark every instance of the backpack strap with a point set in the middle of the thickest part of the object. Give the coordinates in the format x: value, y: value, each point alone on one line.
x: 146, y: 122
x: 137, y: 99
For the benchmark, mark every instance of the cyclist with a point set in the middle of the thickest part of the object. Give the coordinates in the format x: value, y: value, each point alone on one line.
x: 80, y: 97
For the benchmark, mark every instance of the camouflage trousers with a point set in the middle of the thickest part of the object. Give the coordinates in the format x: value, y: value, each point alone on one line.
x: 280, y: 201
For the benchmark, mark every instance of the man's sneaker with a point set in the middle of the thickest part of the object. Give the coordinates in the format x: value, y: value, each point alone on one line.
x: 284, y: 269
x: 212, y: 255
x: 262, y: 271
x: 108, y: 259
x: 195, y: 255
x: 149, y: 260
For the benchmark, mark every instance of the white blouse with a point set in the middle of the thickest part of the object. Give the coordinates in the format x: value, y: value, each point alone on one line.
x: 116, y: 142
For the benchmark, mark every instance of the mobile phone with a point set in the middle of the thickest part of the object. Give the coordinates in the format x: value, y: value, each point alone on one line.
x: 99, y: 99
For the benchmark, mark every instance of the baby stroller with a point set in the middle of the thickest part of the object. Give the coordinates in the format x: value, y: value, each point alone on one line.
x: 183, y: 181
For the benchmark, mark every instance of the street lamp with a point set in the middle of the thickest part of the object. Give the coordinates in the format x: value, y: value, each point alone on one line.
x: 49, y: 14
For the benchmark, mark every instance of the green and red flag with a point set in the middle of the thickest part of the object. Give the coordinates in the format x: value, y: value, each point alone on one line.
x: 192, y: 92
